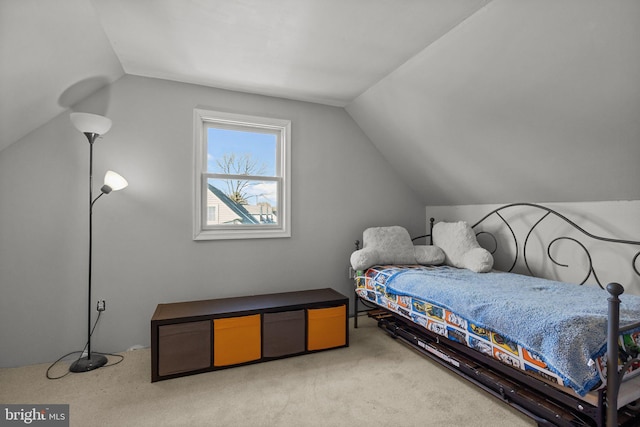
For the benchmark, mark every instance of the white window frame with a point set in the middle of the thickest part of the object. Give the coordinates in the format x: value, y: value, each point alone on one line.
x: 204, y: 118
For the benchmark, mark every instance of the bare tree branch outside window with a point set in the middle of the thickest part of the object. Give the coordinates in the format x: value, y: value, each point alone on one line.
x: 242, y: 164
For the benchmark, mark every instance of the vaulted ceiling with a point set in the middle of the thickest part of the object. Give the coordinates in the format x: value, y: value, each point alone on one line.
x: 54, y: 53
x: 523, y: 101
x: 471, y: 101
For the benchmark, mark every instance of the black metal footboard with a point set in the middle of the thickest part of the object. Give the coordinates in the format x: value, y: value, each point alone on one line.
x: 614, y: 378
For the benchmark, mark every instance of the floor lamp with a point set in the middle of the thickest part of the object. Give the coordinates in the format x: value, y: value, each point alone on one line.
x: 93, y: 125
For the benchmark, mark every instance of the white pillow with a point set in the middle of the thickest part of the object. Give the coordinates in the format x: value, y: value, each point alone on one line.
x: 392, y: 245
x: 384, y: 245
x: 428, y: 255
x: 460, y: 246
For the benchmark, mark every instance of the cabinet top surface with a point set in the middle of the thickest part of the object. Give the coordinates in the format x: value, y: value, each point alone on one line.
x: 219, y: 306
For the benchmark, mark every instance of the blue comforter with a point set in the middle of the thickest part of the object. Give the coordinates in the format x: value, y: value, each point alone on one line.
x: 564, y: 323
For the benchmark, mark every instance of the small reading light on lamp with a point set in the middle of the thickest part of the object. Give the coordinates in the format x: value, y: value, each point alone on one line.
x: 113, y: 182
x: 93, y: 125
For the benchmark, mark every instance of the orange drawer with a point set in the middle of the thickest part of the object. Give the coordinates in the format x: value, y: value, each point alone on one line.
x: 236, y: 340
x: 327, y: 328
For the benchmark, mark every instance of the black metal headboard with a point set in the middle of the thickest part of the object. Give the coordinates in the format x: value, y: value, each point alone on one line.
x: 546, y: 212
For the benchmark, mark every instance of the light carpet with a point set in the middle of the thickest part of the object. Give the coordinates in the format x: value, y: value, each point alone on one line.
x: 376, y: 381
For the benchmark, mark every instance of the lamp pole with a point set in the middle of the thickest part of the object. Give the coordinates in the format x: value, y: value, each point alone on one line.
x: 91, y: 361
x: 92, y: 126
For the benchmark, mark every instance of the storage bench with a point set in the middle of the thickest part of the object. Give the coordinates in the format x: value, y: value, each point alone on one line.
x: 200, y: 336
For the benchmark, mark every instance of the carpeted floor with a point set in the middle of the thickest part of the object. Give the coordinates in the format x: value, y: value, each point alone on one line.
x: 375, y: 382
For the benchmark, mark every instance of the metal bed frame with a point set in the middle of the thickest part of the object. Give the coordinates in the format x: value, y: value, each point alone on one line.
x: 546, y: 404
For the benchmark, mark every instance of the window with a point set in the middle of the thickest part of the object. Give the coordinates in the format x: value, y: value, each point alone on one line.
x: 241, y: 181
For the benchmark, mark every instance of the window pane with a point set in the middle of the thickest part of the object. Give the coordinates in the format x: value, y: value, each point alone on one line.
x: 242, y: 171
x: 212, y: 217
x: 240, y: 201
x: 241, y: 153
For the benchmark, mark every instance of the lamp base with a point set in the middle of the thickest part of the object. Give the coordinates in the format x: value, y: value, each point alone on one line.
x: 89, y: 363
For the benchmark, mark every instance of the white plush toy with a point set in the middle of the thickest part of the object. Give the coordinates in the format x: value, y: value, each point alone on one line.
x: 392, y: 245
x: 460, y: 246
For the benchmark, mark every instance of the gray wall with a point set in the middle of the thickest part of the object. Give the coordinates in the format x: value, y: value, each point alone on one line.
x: 143, y: 251
x: 613, y: 262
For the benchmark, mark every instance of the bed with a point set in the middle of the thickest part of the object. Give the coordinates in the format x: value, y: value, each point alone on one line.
x: 540, y: 345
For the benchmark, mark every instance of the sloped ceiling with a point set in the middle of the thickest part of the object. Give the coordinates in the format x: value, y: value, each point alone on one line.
x: 325, y: 51
x: 471, y: 101
x: 52, y: 53
x: 523, y: 101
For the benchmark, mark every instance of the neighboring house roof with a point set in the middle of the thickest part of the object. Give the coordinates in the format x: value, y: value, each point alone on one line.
x: 238, y: 209
x: 263, y: 211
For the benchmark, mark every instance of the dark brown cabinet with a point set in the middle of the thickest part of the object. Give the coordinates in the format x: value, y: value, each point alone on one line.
x: 199, y: 336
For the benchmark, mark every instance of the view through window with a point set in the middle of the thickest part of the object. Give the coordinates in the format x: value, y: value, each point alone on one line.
x: 244, y: 186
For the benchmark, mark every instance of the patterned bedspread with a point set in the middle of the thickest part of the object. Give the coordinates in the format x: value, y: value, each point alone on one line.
x: 551, y: 329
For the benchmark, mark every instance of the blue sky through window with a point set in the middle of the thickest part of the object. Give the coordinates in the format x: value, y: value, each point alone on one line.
x: 261, y: 146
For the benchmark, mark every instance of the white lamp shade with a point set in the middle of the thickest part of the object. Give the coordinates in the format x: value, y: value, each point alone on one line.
x: 115, y: 181
x: 91, y: 123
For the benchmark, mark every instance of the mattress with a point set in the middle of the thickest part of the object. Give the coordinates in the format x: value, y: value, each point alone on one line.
x: 377, y: 285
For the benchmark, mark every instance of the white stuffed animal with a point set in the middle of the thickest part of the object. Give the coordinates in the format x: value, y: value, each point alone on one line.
x: 460, y: 246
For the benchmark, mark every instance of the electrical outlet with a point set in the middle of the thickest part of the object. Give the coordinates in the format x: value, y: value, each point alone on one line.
x: 351, y: 273
x: 101, y: 305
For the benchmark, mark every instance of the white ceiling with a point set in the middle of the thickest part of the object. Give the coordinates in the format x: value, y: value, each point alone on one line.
x: 54, y: 53
x: 470, y: 101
